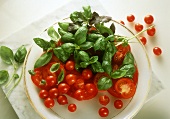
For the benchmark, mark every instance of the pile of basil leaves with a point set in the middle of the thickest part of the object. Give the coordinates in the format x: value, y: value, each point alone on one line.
x: 79, y: 43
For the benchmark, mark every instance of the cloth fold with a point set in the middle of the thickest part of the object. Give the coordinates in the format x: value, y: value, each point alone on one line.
x: 25, y: 36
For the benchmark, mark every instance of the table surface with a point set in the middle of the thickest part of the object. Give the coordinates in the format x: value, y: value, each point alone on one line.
x: 16, y: 14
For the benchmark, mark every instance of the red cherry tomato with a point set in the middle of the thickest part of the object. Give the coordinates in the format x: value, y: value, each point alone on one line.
x: 125, y: 87
x: 70, y: 65
x: 123, y: 49
x: 130, y: 18
x: 90, y: 91
x: 148, y: 19
x: 70, y: 79
x: 104, y: 100
x: 151, y: 31
x: 135, y: 76
x: 43, y: 94
x: 118, y: 58
x: 103, y: 112
x: 53, y: 92
x: 157, y: 51
x: 59, y: 43
x: 79, y: 94
x: 72, y: 107
x: 62, y: 100
x: 63, y: 88
x: 87, y: 74
x: 118, y: 104
x: 51, y: 80
x: 91, y: 29
x: 143, y: 40
x: 122, y: 22
x: 79, y: 84
x: 138, y: 27
x: 49, y: 102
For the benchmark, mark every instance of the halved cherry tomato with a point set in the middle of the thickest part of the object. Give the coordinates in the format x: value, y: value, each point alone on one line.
x: 125, y: 87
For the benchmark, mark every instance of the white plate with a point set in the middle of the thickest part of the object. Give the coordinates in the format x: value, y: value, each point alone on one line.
x: 89, y: 109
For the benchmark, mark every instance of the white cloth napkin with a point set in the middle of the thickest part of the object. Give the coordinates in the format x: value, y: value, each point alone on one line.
x: 25, y: 36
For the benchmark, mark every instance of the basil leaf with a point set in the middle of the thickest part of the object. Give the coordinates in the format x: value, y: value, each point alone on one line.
x: 103, y: 29
x: 129, y: 59
x: 84, y: 64
x: 77, y: 17
x: 84, y: 56
x: 68, y: 47
x: 76, y: 56
x: 112, y: 27
x: 54, y: 67
x: 53, y: 34
x: 43, y: 59
x: 87, y: 12
x: 97, y: 67
x: 42, y: 43
x: 66, y: 36
x: 61, y: 76
x: 104, y: 83
x: 87, y: 45
x: 93, y: 59
x: 80, y: 35
x: 107, y: 66
x: 61, y: 54
x: 93, y: 37
x: 6, y: 54
x: 100, y: 44
x: 110, y: 38
x: 63, y: 25
x: 118, y: 74
x: 110, y: 47
x: 20, y: 54
x: 4, y: 75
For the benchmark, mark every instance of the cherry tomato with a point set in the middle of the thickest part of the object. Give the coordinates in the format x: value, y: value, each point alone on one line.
x: 104, y: 100
x: 43, y: 94
x: 125, y: 87
x: 70, y: 79
x: 59, y: 43
x: 148, y: 19
x: 87, y: 74
x: 72, y: 107
x: 138, y: 27
x: 151, y: 31
x: 79, y: 94
x: 118, y: 58
x: 90, y: 91
x: 135, y: 76
x: 79, y: 84
x: 63, y: 88
x: 70, y: 65
x: 49, y: 102
x: 103, y: 112
x: 122, y: 22
x: 130, y: 18
x: 118, y: 104
x: 91, y: 29
x: 157, y: 51
x: 53, y: 92
x: 112, y: 90
x: 62, y: 100
x: 123, y: 49
x: 51, y: 80
x: 143, y: 40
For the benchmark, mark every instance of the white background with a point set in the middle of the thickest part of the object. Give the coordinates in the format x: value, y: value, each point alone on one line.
x: 16, y: 14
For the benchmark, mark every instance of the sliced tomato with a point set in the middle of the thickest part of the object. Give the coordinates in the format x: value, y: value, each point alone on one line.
x: 125, y: 87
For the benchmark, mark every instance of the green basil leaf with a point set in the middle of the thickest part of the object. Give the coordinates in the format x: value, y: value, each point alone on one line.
x: 68, y: 47
x: 77, y: 17
x: 66, y: 36
x: 93, y: 59
x: 4, y: 75
x: 107, y: 66
x: 97, y: 67
x: 87, y: 45
x: 80, y: 35
x: 61, y: 32
x: 52, y: 44
x: 84, y: 56
x: 118, y: 74
x: 61, y: 54
x: 84, y: 64
x: 93, y: 37
x: 107, y: 56
x: 6, y: 54
x: 110, y: 38
x: 42, y: 43
x: 129, y: 59
x: 77, y: 66
x: 100, y: 44
x: 43, y: 59
x: 76, y: 56
x: 104, y: 83
x: 61, y: 76
x: 110, y: 47
x: 31, y: 72
x: 20, y: 54
x: 63, y: 25
x: 87, y: 12
x: 103, y: 29
x: 54, y: 67
x: 53, y: 34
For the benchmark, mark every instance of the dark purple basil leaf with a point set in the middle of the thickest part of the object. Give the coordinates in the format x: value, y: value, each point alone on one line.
x: 112, y: 27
